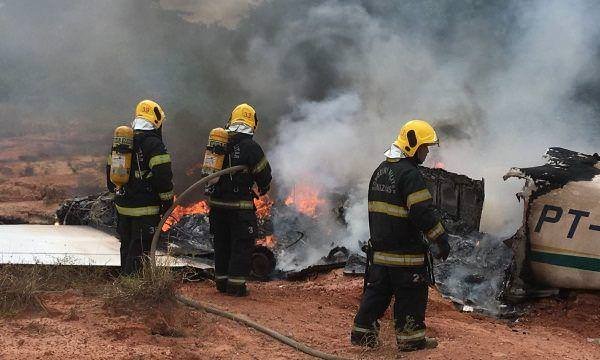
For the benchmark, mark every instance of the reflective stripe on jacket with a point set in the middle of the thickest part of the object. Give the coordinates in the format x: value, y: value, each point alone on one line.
x: 401, y: 211
x: 150, y: 187
x: 237, y: 188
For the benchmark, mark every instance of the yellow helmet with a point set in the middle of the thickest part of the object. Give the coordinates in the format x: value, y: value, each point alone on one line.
x: 151, y: 111
x: 414, y: 134
x: 244, y: 114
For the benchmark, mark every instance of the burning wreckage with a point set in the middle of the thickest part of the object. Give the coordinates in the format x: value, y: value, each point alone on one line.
x: 556, y: 247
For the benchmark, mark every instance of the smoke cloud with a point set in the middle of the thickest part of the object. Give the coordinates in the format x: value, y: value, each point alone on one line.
x: 499, y: 83
x: 333, y: 81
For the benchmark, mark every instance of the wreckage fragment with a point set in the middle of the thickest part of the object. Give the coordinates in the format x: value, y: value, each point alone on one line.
x: 559, y: 242
x: 458, y: 198
x: 472, y: 275
x: 96, y: 211
x: 475, y: 273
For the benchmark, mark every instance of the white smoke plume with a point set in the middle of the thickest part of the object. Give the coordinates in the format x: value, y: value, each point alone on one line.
x: 333, y: 81
x: 510, y: 102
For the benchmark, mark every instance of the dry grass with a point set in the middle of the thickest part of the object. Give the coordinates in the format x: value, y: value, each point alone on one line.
x: 152, y: 285
x: 19, y: 289
x: 21, y: 285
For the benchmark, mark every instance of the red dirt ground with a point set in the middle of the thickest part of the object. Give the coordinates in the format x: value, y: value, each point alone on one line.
x: 318, y: 312
x: 37, y: 172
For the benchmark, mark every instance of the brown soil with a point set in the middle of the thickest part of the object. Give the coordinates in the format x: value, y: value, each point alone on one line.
x: 37, y: 172
x: 318, y: 312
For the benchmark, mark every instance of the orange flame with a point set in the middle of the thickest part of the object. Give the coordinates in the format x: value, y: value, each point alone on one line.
x: 263, y: 210
x: 269, y: 241
x: 305, y: 199
x: 200, y: 207
x: 439, y: 165
x: 263, y: 206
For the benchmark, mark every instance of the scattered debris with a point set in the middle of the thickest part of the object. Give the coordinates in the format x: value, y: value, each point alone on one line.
x: 467, y: 308
x: 337, y: 258
x: 475, y: 273
x: 96, y: 211
x: 482, y: 273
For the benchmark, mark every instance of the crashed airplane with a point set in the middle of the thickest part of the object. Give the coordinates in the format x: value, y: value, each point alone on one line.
x: 558, y: 245
x: 559, y: 242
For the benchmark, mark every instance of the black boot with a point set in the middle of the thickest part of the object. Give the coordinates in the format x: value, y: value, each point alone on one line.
x: 362, y: 336
x: 236, y: 288
x: 427, y: 343
x: 221, y: 283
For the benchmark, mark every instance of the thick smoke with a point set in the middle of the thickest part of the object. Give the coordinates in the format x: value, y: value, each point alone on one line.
x: 499, y: 83
x: 333, y: 81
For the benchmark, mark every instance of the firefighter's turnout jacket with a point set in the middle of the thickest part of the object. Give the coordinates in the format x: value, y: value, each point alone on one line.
x: 144, y: 198
x: 232, y: 212
x: 400, y: 211
x: 235, y: 191
x: 150, y: 187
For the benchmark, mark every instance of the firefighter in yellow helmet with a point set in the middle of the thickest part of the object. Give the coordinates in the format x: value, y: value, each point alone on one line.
x: 232, y: 211
x: 149, y: 190
x: 400, y: 212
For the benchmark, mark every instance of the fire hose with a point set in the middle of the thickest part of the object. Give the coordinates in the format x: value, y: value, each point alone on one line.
x: 214, y: 310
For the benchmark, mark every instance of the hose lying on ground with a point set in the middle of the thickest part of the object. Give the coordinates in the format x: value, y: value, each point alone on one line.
x: 272, y: 333
x: 213, y: 310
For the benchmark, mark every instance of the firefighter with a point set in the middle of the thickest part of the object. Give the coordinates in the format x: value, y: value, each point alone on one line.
x: 149, y: 191
x: 400, y: 212
x: 232, y: 212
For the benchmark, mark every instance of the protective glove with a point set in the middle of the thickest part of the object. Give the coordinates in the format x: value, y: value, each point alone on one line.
x: 441, y: 248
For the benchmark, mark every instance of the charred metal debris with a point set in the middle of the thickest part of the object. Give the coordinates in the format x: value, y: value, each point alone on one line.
x: 473, y: 275
x: 562, y: 166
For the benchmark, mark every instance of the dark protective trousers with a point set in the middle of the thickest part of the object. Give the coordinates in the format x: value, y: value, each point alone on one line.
x: 136, y: 234
x: 234, y: 234
x: 409, y: 287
